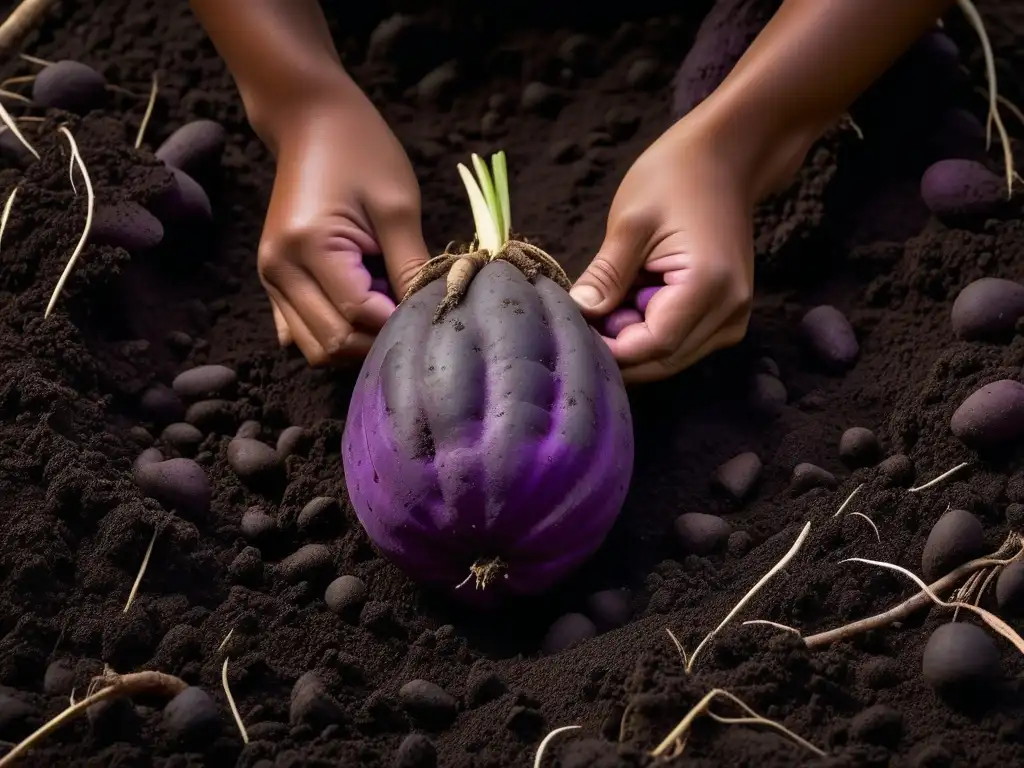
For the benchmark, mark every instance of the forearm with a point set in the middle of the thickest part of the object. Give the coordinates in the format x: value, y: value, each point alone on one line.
x: 809, y: 63
x: 279, y: 52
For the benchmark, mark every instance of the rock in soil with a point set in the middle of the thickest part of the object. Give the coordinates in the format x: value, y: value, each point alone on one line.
x: 574, y: 93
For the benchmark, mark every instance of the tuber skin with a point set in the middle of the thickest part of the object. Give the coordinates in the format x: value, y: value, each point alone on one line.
x: 69, y: 85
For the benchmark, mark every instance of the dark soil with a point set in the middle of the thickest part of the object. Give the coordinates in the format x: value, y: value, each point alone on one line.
x: 852, y: 232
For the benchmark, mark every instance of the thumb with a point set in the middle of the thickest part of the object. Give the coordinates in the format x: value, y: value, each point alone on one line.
x: 604, y: 284
x: 401, y: 242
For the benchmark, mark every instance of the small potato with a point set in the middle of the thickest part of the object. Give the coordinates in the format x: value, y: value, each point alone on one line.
x: 992, y: 416
x: 957, y: 536
x: 126, y: 225
x: 69, y: 85
x: 644, y: 296
x: 988, y: 308
x: 830, y: 336
x: 956, y: 134
x: 617, y: 321
x: 959, y: 187
x: 185, y: 201
x: 195, y: 147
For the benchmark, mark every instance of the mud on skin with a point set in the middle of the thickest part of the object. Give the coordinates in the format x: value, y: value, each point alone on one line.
x: 335, y: 658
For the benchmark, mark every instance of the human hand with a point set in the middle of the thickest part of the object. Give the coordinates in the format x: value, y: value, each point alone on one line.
x: 344, y: 189
x: 683, y: 213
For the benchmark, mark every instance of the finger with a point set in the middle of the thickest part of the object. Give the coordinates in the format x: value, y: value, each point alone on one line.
x: 672, y: 315
x: 332, y: 336
x: 707, y: 338
x: 607, y: 279
x: 346, y: 282
x: 400, y: 235
x: 284, y: 336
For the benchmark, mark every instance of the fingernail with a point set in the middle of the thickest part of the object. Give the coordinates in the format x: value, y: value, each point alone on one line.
x: 586, y: 296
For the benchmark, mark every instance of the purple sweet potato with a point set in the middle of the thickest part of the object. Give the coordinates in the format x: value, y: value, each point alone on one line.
x: 126, y: 225
x: 959, y: 187
x: 644, y: 296
x: 992, y: 416
x: 184, y: 201
x: 988, y: 308
x: 195, y: 147
x: 618, y: 320
x: 830, y: 336
x: 69, y: 85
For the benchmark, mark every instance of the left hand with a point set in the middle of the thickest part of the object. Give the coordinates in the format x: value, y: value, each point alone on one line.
x: 683, y: 212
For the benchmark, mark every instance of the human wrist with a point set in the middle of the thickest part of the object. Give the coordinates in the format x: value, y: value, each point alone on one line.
x: 763, y: 144
x: 276, y: 114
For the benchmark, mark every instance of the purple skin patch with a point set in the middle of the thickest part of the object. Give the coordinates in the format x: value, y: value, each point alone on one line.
x: 503, y: 431
x: 619, y: 319
x: 644, y: 296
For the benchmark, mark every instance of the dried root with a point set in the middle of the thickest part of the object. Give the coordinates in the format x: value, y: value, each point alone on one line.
x: 1011, y: 551
x: 676, y: 740
x: 231, y: 702
x: 747, y: 597
x: 7, y: 212
x: 148, y: 114
x: 969, y: 10
x: 484, y: 572
x: 142, y: 572
x: 90, y: 205
x: 109, y: 685
x: 547, y: 740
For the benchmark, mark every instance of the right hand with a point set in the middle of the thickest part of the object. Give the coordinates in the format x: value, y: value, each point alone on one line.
x: 344, y: 189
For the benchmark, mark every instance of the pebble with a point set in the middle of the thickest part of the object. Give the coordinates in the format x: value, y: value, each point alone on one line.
x: 492, y: 124
x: 988, y: 308
x: 204, y: 382
x: 126, y: 225
x: 69, y: 85
x: 830, y: 336
x: 879, y: 724
x: 992, y: 416
x: 147, y: 457
x: 609, y: 608
x: 179, y: 341
x: 194, y: 147
x: 807, y: 476
x: 252, y: 460
x: 961, y: 187
x: 642, y: 73
x: 769, y: 366
x: 249, y: 429
x: 257, y: 525
x: 180, y: 485
x: 767, y: 393
x: 345, y: 593
x: 416, y: 751
x: 212, y: 416
x: 141, y: 436
x: 307, y: 562
x: 161, y: 405
x: 620, y: 319
x: 312, y: 704
x: 292, y: 440
x: 16, y: 717
x: 959, y: 657
x: 858, y: 447
x: 182, y: 436
x: 428, y: 702
x: 702, y: 534
x: 957, y: 536
x: 59, y: 678
x: 644, y: 296
x: 568, y: 631
x: 483, y: 684
x: 1010, y: 589
x: 319, y: 515
x: 437, y: 86
x: 192, y: 717
x: 540, y: 99
x: 184, y: 202
x: 738, y: 475
x: 898, y: 468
